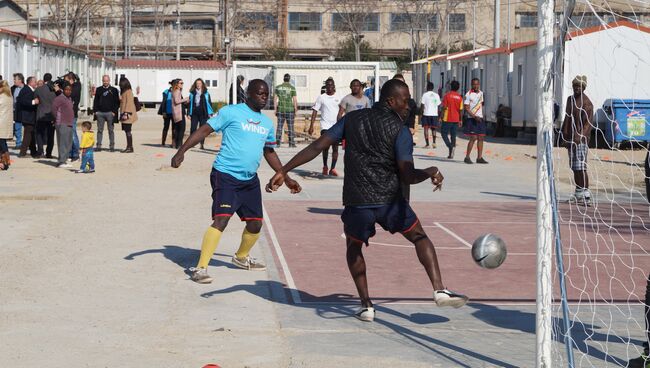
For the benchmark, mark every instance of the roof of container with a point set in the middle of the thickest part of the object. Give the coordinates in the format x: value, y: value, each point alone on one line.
x: 170, y: 64
x: 58, y: 44
x: 504, y: 50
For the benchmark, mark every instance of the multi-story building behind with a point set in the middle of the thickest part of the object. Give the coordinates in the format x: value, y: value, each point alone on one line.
x: 305, y: 29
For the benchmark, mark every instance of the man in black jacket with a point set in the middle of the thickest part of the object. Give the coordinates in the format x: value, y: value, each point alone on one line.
x: 372, y: 194
x: 105, y: 106
x: 73, y: 80
x: 19, y: 84
x: 44, y: 118
x: 26, y: 103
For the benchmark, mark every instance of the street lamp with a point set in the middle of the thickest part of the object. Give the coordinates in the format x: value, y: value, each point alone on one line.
x: 357, y: 43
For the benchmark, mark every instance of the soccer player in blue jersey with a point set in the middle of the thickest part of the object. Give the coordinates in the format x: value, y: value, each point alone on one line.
x: 247, y: 135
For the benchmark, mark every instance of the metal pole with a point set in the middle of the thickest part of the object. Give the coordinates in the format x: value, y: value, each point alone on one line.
x: 411, y: 33
x: 67, y: 36
x: 87, y: 32
x: 497, y: 23
x: 39, y: 20
x: 474, y: 27
x: 508, y: 32
x: 543, y: 323
x: 104, y: 36
x: 357, y: 50
x: 428, y: 40
x: 178, y: 29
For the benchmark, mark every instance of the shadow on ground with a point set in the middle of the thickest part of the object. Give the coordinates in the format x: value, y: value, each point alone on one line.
x: 581, y: 333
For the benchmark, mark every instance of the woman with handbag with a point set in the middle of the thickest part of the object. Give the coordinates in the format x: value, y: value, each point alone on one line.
x: 200, y: 106
x: 128, y: 112
x: 178, y: 112
x: 165, y: 111
x: 6, y: 123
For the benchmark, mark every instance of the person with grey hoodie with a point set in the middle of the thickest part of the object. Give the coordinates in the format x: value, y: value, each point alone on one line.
x: 44, y: 118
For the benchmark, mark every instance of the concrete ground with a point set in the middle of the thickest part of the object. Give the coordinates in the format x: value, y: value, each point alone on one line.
x: 93, y: 272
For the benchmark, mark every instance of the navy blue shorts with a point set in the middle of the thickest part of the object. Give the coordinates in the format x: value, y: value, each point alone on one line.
x: 431, y: 121
x: 230, y: 196
x: 359, y: 222
x: 475, y: 128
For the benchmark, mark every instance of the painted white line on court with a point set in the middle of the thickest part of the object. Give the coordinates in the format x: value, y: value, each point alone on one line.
x: 453, y: 234
x: 295, y: 295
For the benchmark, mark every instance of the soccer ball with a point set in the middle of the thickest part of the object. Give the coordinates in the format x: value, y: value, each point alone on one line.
x: 489, y: 251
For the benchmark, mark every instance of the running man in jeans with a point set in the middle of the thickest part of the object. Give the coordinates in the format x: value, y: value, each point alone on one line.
x: 247, y: 135
x: 372, y: 194
x: 452, y: 112
x: 475, y: 126
x: 286, y: 106
x: 328, y: 105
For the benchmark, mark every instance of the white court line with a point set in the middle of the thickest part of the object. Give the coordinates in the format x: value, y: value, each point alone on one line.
x: 295, y: 295
x: 453, y: 234
x: 580, y: 223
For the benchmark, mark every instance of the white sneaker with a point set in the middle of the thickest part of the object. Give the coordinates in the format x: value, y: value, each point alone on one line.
x: 448, y: 298
x: 65, y: 166
x: 248, y: 263
x: 68, y: 160
x: 200, y: 275
x: 366, y: 314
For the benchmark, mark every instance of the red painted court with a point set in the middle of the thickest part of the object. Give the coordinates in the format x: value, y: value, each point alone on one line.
x: 606, y: 252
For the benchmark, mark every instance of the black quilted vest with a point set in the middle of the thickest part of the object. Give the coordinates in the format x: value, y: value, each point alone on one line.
x: 371, y: 173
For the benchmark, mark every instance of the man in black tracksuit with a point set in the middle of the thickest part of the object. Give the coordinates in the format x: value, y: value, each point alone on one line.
x: 378, y: 164
x: 105, y: 106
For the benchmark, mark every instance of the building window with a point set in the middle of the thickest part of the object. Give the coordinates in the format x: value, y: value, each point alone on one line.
x: 304, y: 21
x: 215, y: 83
x: 585, y: 20
x: 404, y: 22
x: 207, y: 83
x: 369, y: 22
x: 299, y: 81
x: 526, y: 20
x: 520, y: 79
x: 257, y: 20
x: 456, y: 22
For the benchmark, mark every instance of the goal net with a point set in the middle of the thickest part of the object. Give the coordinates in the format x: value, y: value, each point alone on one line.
x: 600, y: 184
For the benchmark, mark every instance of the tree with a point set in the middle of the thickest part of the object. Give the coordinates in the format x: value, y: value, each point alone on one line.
x: 353, y: 18
x: 348, y: 51
x: 73, y: 12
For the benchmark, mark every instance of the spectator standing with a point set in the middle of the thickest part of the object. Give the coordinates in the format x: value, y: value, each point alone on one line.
x: 328, y: 106
x: 285, y: 101
x: 165, y: 110
x: 128, y: 113
x: 6, y: 123
x: 73, y: 80
x: 475, y: 126
x: 241, y: 94
x: 370, y: 91
x: 63, y: 111
x: 576, y: 130
x: 200, y: 108
x: 430, y: 103
x: 27, y: 102
x: 178, y: 112
x: 86, y: 145
x: 19, y: 84
x: 356, y: 100
x: 106, y: 105
x: 44, y: 118
x: 452, y: 112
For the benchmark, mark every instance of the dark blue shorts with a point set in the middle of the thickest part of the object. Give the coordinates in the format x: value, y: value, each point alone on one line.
x: 475, y: 128
x: 431, y: 121
x: 359, y: 222
x: 230, y: 196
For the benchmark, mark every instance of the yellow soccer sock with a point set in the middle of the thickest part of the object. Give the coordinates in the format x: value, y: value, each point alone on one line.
x: 209, y: 245
x: 248, y: 239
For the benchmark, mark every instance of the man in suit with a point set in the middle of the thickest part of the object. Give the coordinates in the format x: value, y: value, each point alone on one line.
x: 44, y: 118
x: 27, y: 103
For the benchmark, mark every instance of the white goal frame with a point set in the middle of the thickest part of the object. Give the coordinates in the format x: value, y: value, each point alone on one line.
x: 324, y: 64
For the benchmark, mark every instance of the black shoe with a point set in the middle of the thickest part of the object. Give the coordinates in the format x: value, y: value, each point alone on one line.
x: 112, y: 149
x: 98, y: 149
x: 292, y: 146
x: 468, y: 160
x: 49, y: 156
x: 481, y: 161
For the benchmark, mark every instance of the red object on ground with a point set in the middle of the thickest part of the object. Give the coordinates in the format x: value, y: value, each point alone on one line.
x: 211, y: 366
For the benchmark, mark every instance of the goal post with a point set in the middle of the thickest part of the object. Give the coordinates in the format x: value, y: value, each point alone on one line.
x: 334, y: 66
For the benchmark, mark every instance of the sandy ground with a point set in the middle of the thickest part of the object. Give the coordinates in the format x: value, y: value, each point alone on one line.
x: 93, y: 270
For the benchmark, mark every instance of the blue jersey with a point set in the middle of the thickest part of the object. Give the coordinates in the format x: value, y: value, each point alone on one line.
x: 245, y: 134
